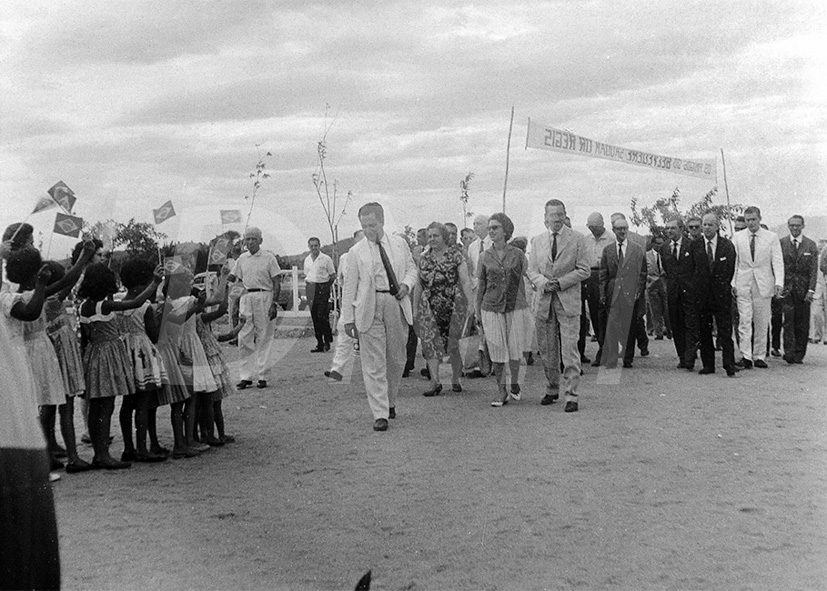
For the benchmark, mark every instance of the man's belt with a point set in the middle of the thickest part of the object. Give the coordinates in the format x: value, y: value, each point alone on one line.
x: 256, y: 290
x: 383, y: 291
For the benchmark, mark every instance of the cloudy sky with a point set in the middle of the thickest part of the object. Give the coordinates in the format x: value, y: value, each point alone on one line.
x: 134, y: 103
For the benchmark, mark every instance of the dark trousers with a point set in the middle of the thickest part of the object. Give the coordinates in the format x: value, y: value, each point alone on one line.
x: 621, y: 318
x: 776, y: 323
x: 320, y: 313
x: 659, y: 308
x: 684, y: 321
x: 796, y: 327
x: 721, y: 313
x: 590, y: 296
x: 410, y: 349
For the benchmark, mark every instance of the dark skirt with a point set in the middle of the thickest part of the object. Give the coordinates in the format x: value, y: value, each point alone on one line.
x: 29, y: 557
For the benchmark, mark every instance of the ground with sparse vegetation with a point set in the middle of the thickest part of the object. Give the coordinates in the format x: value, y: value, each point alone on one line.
x: 666, y: 480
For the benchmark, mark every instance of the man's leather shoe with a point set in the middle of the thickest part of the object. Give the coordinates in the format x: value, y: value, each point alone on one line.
x: 406, y: 373
x: 731, y: 371
x: 760, y: 363
x: 333, y: 374
x: 644, y: 352
x: 704, y: 371
x: 584, y: 359
x: 244, y: 384
x: 570, y: 406
x: 788, y: 359
x: 775, y: 353
x: 318, y: 349
x: 627, y: 364
x: 744, y: 363
x: 549, y: 399
x: 799, y: 361
x: 392, y: 412
x: 327, y: 346
x: 261, y: 384
x: 380, y: 425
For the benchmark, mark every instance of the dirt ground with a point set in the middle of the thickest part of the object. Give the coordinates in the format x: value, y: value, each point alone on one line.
x: 666, y: 480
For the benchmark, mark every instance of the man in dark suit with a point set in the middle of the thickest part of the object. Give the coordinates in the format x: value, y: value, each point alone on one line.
x: 622, y: 285
x: 713, y: 260
x: 800, y: 277
x: 680, y: 293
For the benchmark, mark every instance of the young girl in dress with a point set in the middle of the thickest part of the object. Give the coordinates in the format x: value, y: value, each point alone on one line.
x: 210, y: 412
x: 30, y: 320
x: 174, y: 390
x: 136, y: 326
x: 29, y: 557
x: 67, y: 347
x: 107, y: 366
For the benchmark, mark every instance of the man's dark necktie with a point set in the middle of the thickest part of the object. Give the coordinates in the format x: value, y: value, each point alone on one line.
x: 619, y: 254
x: 795, y: 244
x: 709, y: 255
x: 660, y: 269
x: 553, y: 246
x: 674, y: 249
x: 393, y: 286
x: 752, y: 246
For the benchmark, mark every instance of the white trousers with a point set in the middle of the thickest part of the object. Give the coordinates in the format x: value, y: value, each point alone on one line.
x: 383, y: 354
x: 256, y: 336
x: 755, y: 313
x: 557, y: 337
x: 344, y: 348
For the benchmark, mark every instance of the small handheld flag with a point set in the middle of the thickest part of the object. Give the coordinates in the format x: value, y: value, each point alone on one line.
x: 68, y: 225
x: 230, y: 216
x: 218, y: 254
x: 63, y: 196
x: 164, y: 212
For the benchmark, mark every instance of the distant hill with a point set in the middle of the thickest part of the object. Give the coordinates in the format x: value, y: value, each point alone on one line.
x: 815, y: 227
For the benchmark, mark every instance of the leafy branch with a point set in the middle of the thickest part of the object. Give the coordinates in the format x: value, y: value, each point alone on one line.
x: 257, y: 175
x: 463, y: 197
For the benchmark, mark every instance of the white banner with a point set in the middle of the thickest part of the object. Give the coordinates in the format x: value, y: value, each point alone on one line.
x: 544, y: 137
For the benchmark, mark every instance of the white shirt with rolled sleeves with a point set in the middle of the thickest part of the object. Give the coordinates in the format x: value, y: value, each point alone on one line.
x: 258, y: 272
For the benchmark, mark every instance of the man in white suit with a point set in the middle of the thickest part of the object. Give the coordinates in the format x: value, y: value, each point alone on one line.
x: 376, y: 309
x: 559, y: 262
x: 759, y: 275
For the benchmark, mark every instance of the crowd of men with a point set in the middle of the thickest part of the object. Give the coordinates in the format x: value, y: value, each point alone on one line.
x: 686, y: 282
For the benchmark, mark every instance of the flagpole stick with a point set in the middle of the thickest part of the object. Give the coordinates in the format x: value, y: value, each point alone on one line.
x: 49, y: 247
x: 508, y: 155
x: 726, y: 188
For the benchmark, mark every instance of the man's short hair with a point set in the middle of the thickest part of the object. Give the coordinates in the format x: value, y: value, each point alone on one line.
x: 741, y: 219
x: 677, y: 219
x: 451, y: 225
x: 694, y: 218
x: 797, y: 216
x: 252, y: 230
x: 466, y: 231
x: 617, y: 215
x: 357, y: 232
x: 314, y: 239
x: 555, y: 203
x: 752, y: 209
x: 375, y: 209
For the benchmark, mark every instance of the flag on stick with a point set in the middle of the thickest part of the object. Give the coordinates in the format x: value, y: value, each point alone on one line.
x: 43, y: 204
x: 219, y: 252
x: 230, y: 216
x: 164, y: 212
x: 68, y: 225
x: 63, y: 196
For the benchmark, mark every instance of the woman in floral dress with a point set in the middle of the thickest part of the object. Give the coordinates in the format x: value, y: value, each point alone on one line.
x: 441, y: 304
